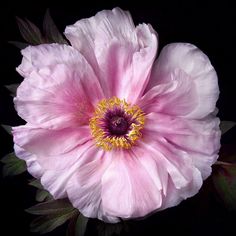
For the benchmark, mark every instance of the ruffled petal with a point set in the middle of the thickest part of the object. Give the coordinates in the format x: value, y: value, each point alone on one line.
x: 58, y: 91
x: 196, y: 64
x: 50, y: 142
x: 121, y: 54
x: 46, y: 55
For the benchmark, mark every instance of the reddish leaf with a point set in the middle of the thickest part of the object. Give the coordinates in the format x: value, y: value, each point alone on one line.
x: 224, y: 179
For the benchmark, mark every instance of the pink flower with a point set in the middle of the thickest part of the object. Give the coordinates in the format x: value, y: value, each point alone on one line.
x: 118, y: 133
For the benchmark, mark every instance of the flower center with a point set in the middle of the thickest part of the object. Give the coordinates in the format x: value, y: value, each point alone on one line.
x: 116, y: 124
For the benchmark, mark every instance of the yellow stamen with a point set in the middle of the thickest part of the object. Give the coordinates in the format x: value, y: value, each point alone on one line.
x: 108, y: 142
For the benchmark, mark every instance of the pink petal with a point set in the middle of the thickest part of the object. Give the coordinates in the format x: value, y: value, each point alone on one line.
x: 177, y: 97
x: 179, y: 177
x: 128, y: 190
x: 155, y: 167
x: 33, y: 166
x: 46, y: 55
x: 174, y: 196
x: 176, y: 162
x: 64, y: 161
x: 59, y: 95
x: 203, y: 162
x: 121, y: 54
x: 196, y: 64
x: 55, y: 171
x: 50, y: 142
x: 105, y: 24
x: 199, y: 139
x: 84, y: 187
x: 60, y: 169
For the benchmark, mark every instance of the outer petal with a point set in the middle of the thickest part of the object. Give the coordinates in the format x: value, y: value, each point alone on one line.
x: 50, y: 142
x: 199, y: 139
x: 84, y: 187
x: 180, y: 179
x: 54, y: 171
x: 128, y: 189
x: 121, y: 54
x: 83, y: 35
x: 56, y: 95
x: 177, y: 97
x: 196, y: 64
x: 46, y: 55
x: 176, y: 162
x: 58, y: 170
x: 33, y: 166
x: 174, y: 196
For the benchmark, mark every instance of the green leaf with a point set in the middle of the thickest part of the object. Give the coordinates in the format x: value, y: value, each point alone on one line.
x: 42, y: 195
x: 12, y: 165
x: 225, y: 126
x: 36, y: 183
x: 7, y: 128
x: 224, y: 179
x: 51, y: 31
x: 81, y: 225
x: 30, y: 32
x: 51, y: 207
x: 47, y: 223
x: 19, y: 45
x: 10, y: 157
x: 13, y: 169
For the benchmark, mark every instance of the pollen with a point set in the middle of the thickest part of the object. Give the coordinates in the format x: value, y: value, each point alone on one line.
x: 116, y: 124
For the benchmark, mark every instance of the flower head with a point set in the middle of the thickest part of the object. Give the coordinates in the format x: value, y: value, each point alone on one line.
x: 118, y: 133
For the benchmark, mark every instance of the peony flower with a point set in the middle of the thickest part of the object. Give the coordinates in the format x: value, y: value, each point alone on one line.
x: 122, y: 135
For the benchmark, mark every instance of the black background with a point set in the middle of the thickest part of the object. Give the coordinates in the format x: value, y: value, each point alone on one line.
x: 210, y: 25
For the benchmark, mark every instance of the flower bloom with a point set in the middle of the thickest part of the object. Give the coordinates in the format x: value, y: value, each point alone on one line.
x: 119, y: 133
